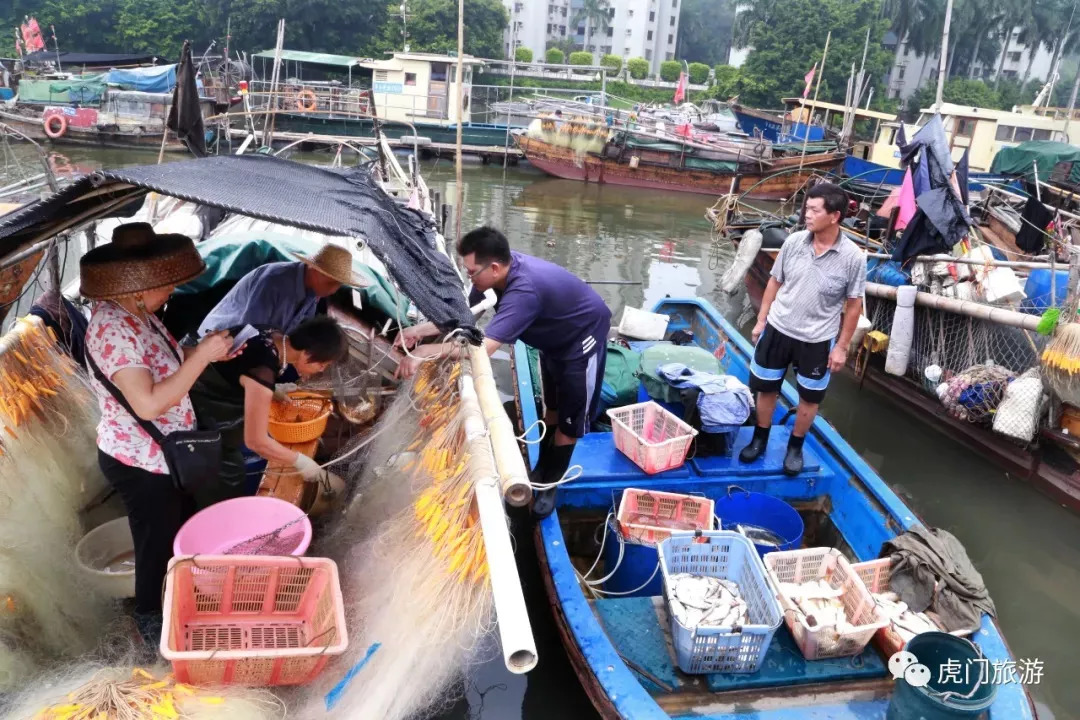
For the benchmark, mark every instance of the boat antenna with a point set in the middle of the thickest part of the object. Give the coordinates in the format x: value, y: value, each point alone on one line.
x: 460, y: 107
x: 943, y: 60
x: 56, y: 46
x: 817, y: 89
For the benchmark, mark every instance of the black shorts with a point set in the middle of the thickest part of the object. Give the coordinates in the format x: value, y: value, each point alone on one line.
x: 572, y: 387
x: 775, y: 351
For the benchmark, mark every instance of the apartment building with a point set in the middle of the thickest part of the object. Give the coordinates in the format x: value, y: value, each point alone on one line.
x: 636, y: 28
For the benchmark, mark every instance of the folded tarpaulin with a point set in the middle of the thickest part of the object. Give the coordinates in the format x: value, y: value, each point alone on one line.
x: 932, y: 571
x: 347, y: 202
x: 724, y: 402
x: 1022, y: 159
x: 1033, y: 222
x: 157, y: 79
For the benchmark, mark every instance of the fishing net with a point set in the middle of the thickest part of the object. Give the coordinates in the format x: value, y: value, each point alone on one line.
x: 982, y: 372
x: 280, y: 541
x: 412, y: 558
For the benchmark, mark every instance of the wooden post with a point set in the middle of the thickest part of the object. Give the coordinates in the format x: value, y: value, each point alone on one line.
x: 460, y: 111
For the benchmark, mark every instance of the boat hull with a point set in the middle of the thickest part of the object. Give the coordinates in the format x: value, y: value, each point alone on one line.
x: 768, y: 185
x: 478, y: 134
x: 32, y: 127
x: 866, y: 512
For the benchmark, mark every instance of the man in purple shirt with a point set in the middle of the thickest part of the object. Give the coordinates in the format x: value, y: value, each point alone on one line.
x: 554, y: 311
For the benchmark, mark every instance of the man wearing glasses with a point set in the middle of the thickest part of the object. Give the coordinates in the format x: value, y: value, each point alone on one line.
x: 548, y: 308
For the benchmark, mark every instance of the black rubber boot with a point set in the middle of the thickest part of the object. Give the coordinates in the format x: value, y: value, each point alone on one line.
x: 793, y: 459
x: 553, y: 464
x: 757, y: 446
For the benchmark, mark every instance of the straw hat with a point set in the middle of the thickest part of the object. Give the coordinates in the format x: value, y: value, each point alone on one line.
x: 138, y: 260
x: 336, y: 262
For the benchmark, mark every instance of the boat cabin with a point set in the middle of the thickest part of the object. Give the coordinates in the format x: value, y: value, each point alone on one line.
x: 822, y: 119
x: 406, y: 87
x: 982, y: 130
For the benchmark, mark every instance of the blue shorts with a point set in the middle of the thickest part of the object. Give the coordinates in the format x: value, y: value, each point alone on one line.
x: 573, y: 387
x: 775, y: 352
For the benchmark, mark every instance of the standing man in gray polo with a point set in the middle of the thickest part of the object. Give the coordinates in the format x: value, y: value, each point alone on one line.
x: 818, y: 275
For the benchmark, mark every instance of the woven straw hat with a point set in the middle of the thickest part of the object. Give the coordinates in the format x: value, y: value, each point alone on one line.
x: 336, y: 262
x: 138, y: 260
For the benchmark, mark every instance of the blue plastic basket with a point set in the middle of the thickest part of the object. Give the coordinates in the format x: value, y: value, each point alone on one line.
x: 729, y: 556
x: 741, y: 506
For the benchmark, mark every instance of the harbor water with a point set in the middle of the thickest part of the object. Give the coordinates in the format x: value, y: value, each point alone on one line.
x: 1025, y: 545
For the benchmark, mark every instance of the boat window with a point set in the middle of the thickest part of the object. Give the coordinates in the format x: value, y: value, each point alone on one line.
x: 1004, y: 133
x: 452, y: 73
x: 891, y: 134
x: 382, y: 75
x: 438, y: 71
x: 1023, y: 134
x: 468, y: 75
x: 410, y: 78
x: 1041, y: 135
x: 965, y: 127
x: 922, y: 119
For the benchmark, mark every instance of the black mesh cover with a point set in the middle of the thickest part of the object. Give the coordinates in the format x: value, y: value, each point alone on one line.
x: 347, y: 202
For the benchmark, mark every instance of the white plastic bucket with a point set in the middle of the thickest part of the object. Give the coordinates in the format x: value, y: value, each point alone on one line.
x: 100, y: 546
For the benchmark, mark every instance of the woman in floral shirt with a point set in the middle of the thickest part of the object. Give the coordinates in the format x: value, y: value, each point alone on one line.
x: 130, y: 279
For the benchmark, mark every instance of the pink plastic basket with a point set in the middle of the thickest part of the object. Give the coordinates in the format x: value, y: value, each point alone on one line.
x: 652, y: 437
x: 648, y: 516
x: 252, y: 620
x: 795, y: 566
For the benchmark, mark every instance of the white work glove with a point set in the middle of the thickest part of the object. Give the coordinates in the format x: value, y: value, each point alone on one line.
x: 307, y: 467
x: 282, y: 390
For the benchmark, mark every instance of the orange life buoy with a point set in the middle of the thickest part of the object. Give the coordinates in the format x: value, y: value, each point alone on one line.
x: 51, y: 128
x: 306, y: 101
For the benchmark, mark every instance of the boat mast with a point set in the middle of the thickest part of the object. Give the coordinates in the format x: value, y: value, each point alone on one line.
x: 943, y: 59
x: 817, y: 88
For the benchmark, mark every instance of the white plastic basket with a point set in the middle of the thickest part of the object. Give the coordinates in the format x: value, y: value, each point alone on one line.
x: 648, y: 516
x: 652, y: 437
x: 643, y: 325
x: 824, y: 641
x: 729, y: 556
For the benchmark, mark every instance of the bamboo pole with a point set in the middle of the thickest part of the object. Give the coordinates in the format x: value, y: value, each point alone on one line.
x: 515, y: 630
x: 979, y: 311
x: 817, y: 88
x: 460, y: 111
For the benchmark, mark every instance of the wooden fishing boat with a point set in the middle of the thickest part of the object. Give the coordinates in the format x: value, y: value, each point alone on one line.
x: 665, y: 170
x: 620, y: 646
x: 31, y: 122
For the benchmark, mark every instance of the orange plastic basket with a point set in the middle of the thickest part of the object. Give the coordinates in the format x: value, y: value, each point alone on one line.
x: 648, y: 516
x: 251, y: 619
x: 302, y: 419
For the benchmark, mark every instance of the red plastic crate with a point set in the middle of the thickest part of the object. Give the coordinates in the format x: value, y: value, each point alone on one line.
x: 648, y: 516
x: 252, y: 620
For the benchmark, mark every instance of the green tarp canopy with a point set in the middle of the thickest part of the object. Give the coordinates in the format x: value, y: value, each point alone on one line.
x: 230, y: 257
x: 84, y: 89
x: 1019, y: 160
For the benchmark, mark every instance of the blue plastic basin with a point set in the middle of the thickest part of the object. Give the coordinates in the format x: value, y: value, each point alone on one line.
x: 763, y: 510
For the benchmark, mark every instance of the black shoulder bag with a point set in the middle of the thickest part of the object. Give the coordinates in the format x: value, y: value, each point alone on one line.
x: 193, y: 456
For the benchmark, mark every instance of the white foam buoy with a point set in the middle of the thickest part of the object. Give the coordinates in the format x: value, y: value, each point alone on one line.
x: 903, y: 330
x: 749, y: 246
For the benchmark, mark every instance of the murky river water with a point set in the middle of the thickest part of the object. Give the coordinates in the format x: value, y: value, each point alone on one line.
x: 1026, y: 546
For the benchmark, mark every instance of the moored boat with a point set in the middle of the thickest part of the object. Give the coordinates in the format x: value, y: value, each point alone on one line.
x: 620, y: 645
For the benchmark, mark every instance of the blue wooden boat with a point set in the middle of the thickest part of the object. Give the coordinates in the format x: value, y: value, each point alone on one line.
x: 873, y: 173
x: 619, y: 646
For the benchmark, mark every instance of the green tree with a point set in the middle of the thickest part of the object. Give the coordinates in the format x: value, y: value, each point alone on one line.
x: 433, y: 27
x: 581, y: 57
x: 523, y: 54
x: 638, y: 67
x: 705, y: 30
x: 916, y: 24
x: 555, y: 56
x: 614, y: 62
x: 727, y: 80
x: 791, y: 42
x: 699, y: 73
x: 669, y: 70
x: 962, y: 91
x: 595, y: 15
x: 751, y: 15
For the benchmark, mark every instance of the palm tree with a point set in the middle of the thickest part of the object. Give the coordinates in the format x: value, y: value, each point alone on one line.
x: 749, y: 14
x: 978, y: 19
x: 1036, y: 28
x: 927, y: 16
x: 592, y: 12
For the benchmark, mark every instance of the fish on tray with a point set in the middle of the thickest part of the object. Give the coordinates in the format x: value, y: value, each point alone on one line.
x: 700, y: 601
x: 905, y: 622
x: 819, y: 603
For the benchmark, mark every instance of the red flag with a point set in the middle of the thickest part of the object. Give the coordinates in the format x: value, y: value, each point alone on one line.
x: 680, y: 89
x: 809, y: 78
x: 31, y: 33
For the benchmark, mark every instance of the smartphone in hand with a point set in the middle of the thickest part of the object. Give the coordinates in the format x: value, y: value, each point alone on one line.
x: 245, y: 334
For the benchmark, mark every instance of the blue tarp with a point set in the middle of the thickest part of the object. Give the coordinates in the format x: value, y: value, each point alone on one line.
x: 160, y: 79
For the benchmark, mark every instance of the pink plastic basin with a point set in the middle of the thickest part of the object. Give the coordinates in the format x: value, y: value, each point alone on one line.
x: 224, y: 525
